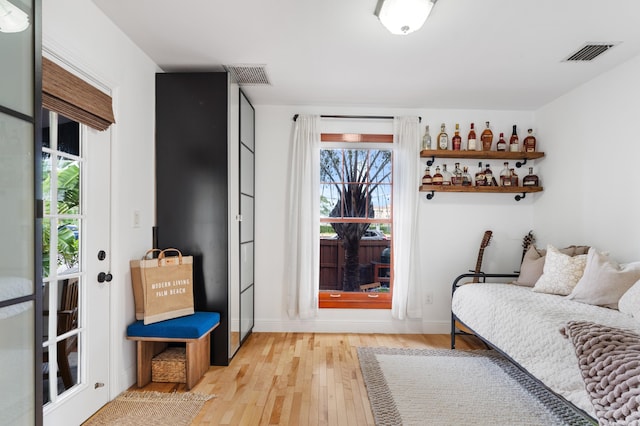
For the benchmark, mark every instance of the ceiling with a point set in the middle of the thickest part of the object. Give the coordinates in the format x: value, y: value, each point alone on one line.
x: 472, y: 54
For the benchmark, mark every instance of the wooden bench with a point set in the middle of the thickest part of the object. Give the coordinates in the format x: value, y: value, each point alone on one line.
x: 192, y: 330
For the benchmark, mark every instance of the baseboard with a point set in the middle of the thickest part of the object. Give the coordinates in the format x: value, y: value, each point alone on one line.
x: 337, y: 326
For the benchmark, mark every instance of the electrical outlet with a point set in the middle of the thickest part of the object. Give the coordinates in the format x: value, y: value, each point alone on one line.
x: 136, y: 218
x: 429, y: 299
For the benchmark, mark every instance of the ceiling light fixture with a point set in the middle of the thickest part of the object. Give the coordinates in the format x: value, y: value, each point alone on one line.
x: 403, y: 16
x: 12, y: 18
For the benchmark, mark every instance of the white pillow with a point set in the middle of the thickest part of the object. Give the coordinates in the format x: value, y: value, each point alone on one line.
x: 604, y: 280
x: 561, y: 272
x: 629, y: 303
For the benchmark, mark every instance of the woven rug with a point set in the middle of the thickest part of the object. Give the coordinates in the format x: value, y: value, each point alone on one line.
x: 451, y: 387
x: 150, y: 408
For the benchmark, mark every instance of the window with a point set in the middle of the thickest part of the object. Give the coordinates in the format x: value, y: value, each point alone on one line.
x: 356, y: 221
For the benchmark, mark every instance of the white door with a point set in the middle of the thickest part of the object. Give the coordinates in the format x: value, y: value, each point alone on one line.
x: 76, y: 230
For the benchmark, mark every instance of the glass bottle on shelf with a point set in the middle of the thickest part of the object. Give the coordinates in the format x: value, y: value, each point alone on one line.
x: 531, y: 179
x: 514, y: 143
x: 456, y: 141
x: 426, y: 139
x: 437, y: 177
x: 471, y: 139
x: 514, y: 177
x: 446, y: 175
x: 488, y: 176
x: 427, y: 179
x: 529, y: 143
x: 502, y: 144
x: 443, y: 138
x: 487, y: 138
x: 480, y: 177
x: 457, y: 175
x: 466, y: 177
x: 505, y: 175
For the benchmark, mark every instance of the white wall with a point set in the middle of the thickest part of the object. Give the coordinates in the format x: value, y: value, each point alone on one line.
x: 590, y: 136
x: 78, y: 32
x: 452, y: 225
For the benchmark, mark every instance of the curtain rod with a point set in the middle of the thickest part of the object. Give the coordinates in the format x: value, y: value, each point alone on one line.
x: 369, y: 117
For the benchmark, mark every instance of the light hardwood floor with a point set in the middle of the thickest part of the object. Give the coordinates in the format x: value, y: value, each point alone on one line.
x: 298, y: 379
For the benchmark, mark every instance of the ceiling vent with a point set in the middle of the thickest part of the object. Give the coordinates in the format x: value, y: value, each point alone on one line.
x: 248, y: 74
x: 589, y: 52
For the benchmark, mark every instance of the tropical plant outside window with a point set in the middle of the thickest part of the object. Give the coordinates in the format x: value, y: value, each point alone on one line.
x: 355, y: 221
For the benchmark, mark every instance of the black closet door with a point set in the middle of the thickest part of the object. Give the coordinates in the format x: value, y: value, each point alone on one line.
x: 191, y: 186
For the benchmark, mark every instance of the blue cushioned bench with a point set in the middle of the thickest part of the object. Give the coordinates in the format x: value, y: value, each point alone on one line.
x: 193, y: 330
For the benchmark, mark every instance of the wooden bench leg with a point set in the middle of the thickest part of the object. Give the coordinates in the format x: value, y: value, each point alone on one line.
x: 146, y: 351
x: 197, y: 362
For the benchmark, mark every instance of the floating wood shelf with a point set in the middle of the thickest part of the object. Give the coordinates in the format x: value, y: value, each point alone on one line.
x: 480, y: 155
x: 431, y: 189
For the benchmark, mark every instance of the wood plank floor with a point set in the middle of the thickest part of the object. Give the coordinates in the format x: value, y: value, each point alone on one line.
x: 298, y: 379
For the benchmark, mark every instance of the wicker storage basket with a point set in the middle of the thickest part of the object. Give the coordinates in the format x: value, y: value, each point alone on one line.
x: 170, y: 366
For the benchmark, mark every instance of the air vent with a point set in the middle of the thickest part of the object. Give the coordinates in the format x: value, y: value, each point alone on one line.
x: 589, y: 52
x: 248, y: 74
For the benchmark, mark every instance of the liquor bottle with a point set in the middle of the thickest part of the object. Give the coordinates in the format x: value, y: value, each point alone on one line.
x: 471, y: 139
x: 480, y: 177
x: 488, y: 176
x: 426, y: 139
x: 531, y: 179
x: 505, y: 175
x: 437, y: 177
x: 427, y: 179
x: 466, y: 177
x: 457, y: 175
x: 443, y: 138
x: 514, y: 177
x: 502, y: 144
x: 456, y: 141
x: 529, y: 143
x: 514, y: 143
x: 487, y: 138
x: 446, y: 175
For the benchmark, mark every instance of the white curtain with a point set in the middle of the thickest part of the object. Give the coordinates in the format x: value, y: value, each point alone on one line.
x: 303, y: 220
x: 407, y: 299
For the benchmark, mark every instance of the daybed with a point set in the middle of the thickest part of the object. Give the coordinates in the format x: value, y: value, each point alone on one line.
x: 525, y: 322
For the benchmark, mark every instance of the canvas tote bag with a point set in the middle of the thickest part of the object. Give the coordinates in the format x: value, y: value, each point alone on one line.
x: 164, y: 286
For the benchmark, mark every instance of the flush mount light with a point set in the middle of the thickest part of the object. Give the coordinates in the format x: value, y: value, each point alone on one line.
x: 403, y: 16
x: 12, y: 18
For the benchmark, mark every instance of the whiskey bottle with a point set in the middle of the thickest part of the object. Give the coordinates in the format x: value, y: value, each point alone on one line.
x: 437, y: 177
x: 446, y: 175
x: 531, y: 179
x: 487, y: 138
x: 456, y: 179
x: 426, y: 139
x: 471, y: 139
x: 514, y: 143
x: 456, y: 141
x: 443, y: 138
x: 480, y: 177
x: 502, y: 144
x: 466, y: 177
x: 514, y: 177
x: 427, y: 179
x: 529, y: 143
x: 488, y: 176
x: 505, y: 175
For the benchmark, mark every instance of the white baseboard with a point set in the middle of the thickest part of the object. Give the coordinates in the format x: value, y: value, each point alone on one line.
x: 338, y: 326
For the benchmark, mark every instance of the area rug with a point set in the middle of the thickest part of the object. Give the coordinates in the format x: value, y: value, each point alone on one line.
x: 150, y: 408
x: 452, y: 387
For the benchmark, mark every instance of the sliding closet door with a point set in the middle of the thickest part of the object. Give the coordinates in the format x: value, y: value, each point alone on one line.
x: 20, y: 284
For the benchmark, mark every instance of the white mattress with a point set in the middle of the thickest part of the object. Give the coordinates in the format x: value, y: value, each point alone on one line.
x: 526, y: 326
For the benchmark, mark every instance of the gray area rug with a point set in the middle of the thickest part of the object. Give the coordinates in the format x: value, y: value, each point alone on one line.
x: 452, y: 387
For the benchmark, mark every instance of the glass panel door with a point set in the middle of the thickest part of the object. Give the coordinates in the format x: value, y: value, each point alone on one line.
x: 247, y: 209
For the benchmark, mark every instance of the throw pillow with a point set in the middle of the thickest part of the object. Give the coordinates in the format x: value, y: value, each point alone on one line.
x: 604, y: 281
x: 629, y: 303
x: 561, y: 272
x: 533, y: 264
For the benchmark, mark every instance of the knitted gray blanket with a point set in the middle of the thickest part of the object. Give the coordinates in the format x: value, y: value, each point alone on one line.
x: 609, y: 360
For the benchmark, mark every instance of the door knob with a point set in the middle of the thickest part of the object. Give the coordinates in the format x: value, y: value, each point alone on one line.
x: 102, y: 277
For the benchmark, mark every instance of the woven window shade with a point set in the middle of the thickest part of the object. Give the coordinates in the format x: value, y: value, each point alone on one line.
x: 74, y: 98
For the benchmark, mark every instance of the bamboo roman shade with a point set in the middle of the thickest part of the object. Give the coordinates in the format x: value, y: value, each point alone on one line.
x: 74, y: 98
